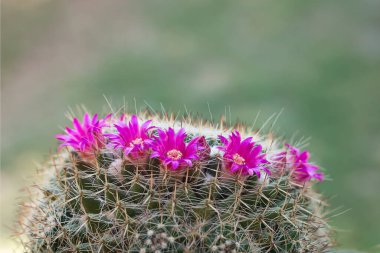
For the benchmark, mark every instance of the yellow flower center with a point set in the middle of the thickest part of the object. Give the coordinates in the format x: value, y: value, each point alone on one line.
x: 174, y: 154
x: 238, y: 159
x: 136, y: 141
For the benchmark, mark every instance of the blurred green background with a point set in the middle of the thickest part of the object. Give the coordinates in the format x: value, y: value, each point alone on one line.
x: 319, y: 60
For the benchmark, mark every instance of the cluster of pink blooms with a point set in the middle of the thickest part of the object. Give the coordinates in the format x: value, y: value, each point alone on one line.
x: 85, y: 137
x: 175, y: 150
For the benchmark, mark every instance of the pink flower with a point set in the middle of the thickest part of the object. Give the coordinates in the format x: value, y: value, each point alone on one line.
x: 85, y: 137
x: 173, y: 152
x: 133, y: 139
x: 243, y: 156
x: 278, y: 163
x: 204, y: 150
x: 299, y: 166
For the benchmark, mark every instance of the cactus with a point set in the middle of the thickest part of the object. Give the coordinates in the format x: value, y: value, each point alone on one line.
x: 116, y: 185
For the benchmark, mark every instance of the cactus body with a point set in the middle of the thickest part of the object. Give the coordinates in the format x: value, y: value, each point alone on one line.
x: 115, y: 200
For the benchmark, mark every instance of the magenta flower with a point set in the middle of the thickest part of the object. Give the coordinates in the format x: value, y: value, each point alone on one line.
x: 278, y: 163
x: 300, y: 167
x: 85, y: 137
x: 173, y: 152
x: 204, y: 149
x: 133, y: 139
x: 243, y: 156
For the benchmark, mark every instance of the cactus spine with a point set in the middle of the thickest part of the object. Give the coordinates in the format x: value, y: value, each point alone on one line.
x: 115, y: 201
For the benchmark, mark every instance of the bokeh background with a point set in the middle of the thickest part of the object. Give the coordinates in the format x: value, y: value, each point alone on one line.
x: 317, y: 60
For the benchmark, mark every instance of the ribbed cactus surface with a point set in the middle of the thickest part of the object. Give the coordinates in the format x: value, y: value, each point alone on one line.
x: 150, y: 183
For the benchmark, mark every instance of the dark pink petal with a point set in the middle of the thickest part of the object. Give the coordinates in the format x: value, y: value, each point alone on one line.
x: 154, y: 154
x: 86, y: 120
x: 234, y: 167
x: 194, y: 141
x: 161, y: 135
x: 223, y: 140
x: 127, y: 151
x: 245, y: 145
x: 78, y: 127
x: 85, y: 137
x: 174, y: 164
x: 193, y: 157
x: 146, y: 125
x: 256, y: 150
x: 319, y: 176
x: 257, y: 171
x: 134, y: 120
x: 304, y: 156
x: 189, y: 162
x: 221, y: 148
x: 264, y: 169
x: 236, y: 136
x: 300, y: 167
x: 148, y: 142
x: 60, y: 137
